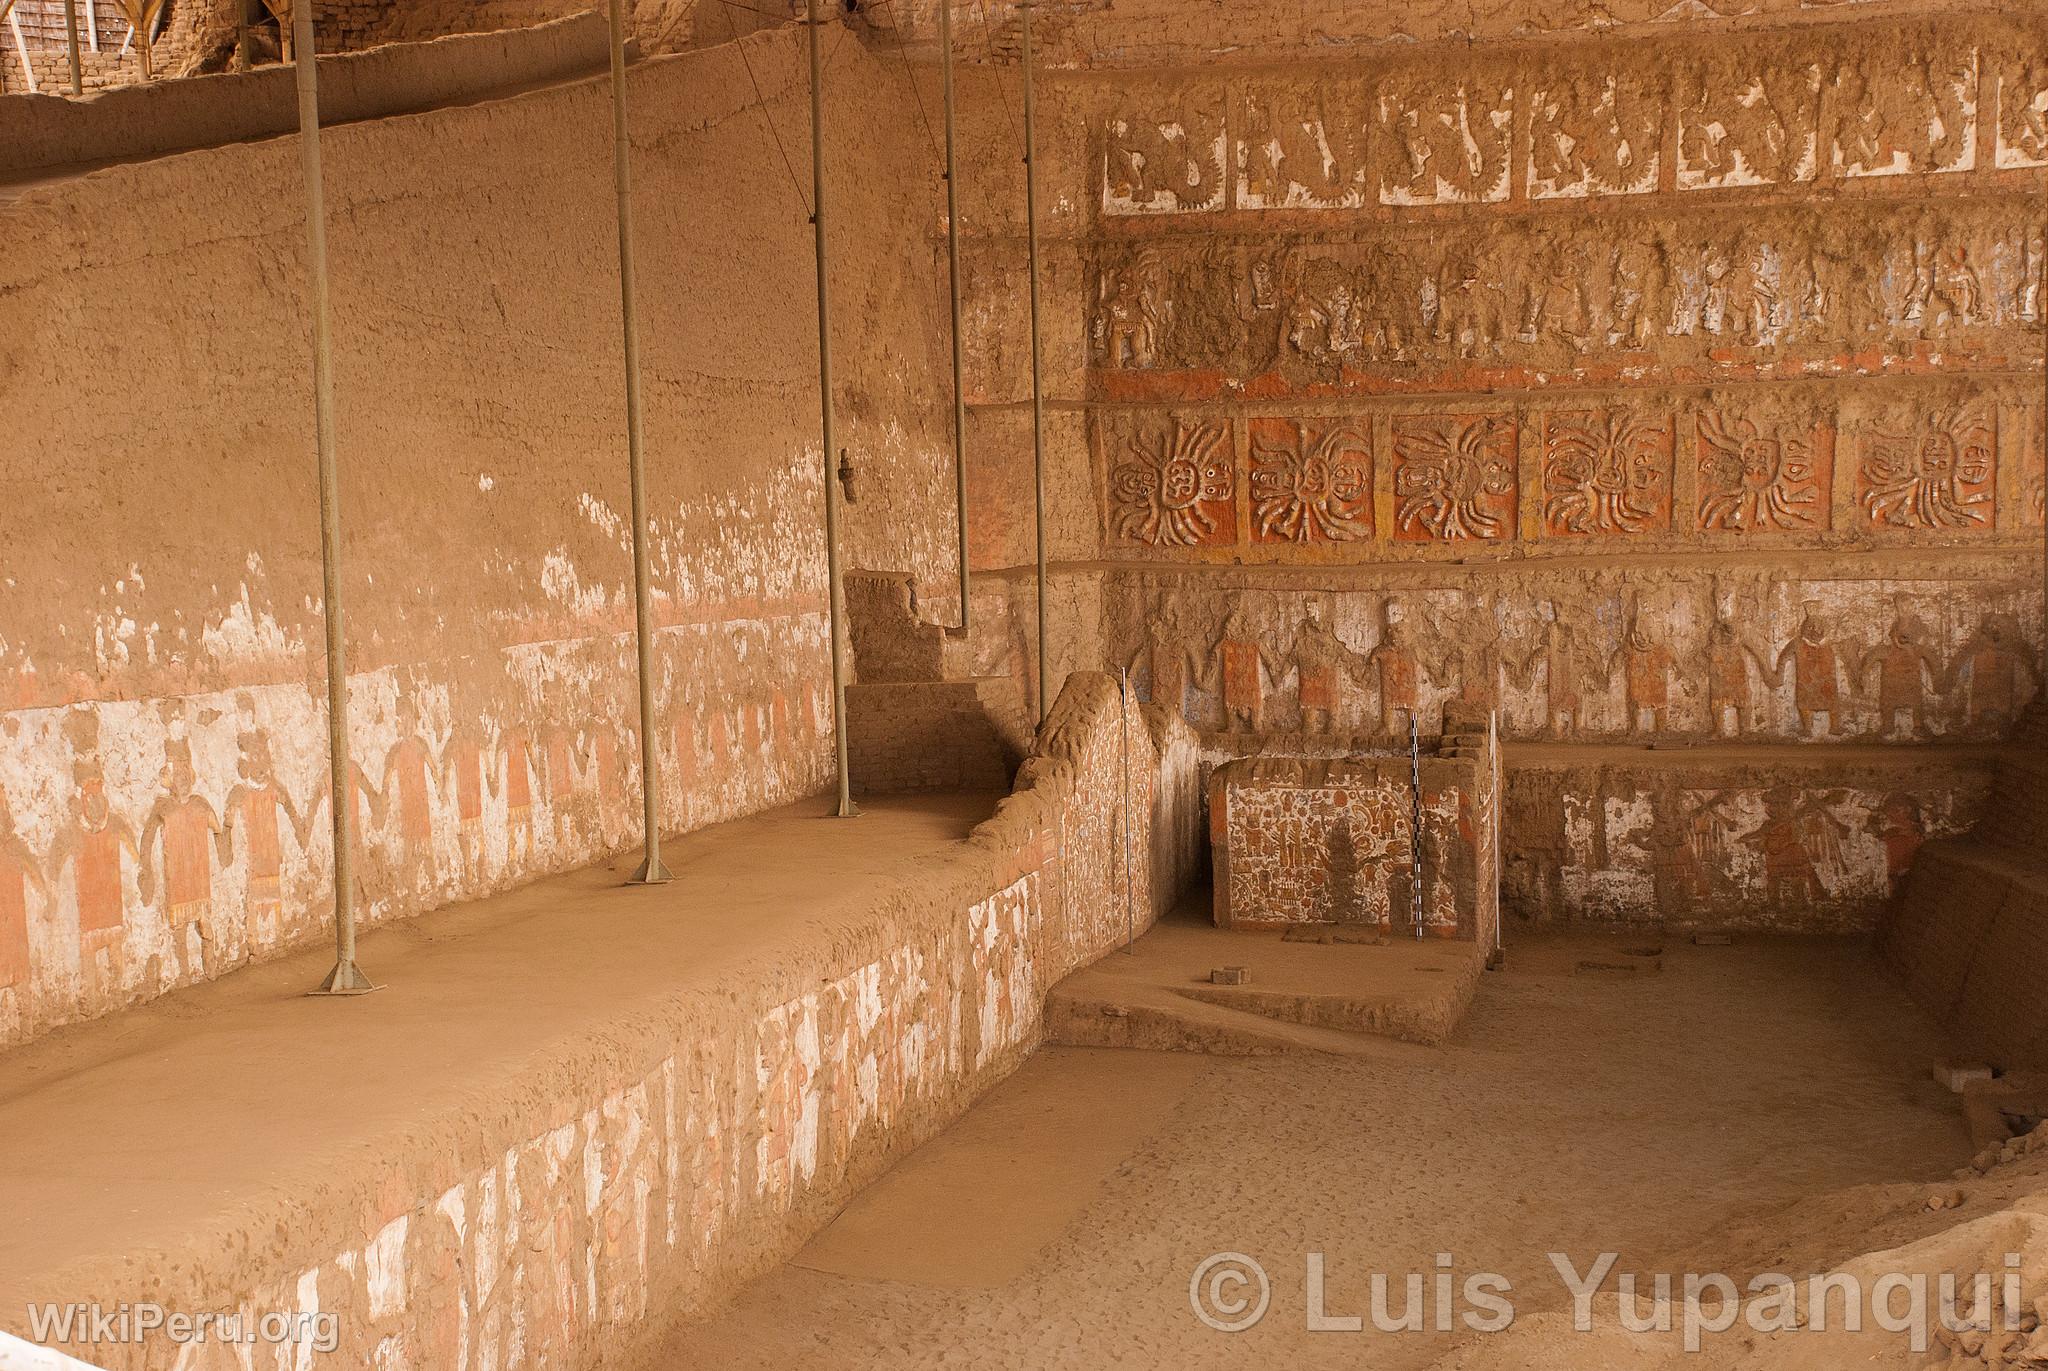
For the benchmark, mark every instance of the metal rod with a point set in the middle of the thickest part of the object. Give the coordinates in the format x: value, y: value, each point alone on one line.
x: 2041, y: 308
x: 1037, y: 357
x: 953, y: 262
x: 1415, y: 822
x: 651, y: 871
x: 92, y: 25
x: 1123, y: 689
x: 847, y: 809
x: 346, y: 978
x: 71, y: 45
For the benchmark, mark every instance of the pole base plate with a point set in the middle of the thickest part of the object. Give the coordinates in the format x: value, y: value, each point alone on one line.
x: 653, y: 871
x: 346, y: 979
x: 847, y: 810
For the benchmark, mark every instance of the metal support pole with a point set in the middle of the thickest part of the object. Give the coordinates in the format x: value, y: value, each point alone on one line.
x: 651, y: 871
x: 71, y: 43
x: 1415, y: 823
x: 1037, y: 357
x: 837, y: 584
x: 953, y: 261
x: 1123, y: 696
x: 346, y: 978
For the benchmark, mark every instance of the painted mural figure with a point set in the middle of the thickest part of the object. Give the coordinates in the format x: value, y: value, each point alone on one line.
x: 1730, y: 694
x: 1681, y: 844
x: 186, y: 833
x: 407, y: 768
x: 256, y: 801
x: 1996, y: 672
x: 1240, y: 660
x: 1816, y: 673
x: 1901, y: 828
x: 1164, y: 658
x: 1400, y: 678
x: 1905, y: 665
x: 518, y: 784
x: 1132, y: 321
x: 462, y: 765
x: 18, y: 874
x: 1646, y: 675
x: 1787, y: 839
x: 1535, y: 814
x: 1321, y: 660
x: 94, y: 847
x: 1562, y: 657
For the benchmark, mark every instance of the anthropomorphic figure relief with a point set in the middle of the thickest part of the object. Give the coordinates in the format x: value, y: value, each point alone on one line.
x: 1906, y: 666
x: 1400, y: 673
x: 1995, y: 671
x: 1131, y: 319
x: 1816, y: 673
x: 1731, y: 694
x: 19, y: 874
x: 1476, y: 660
x: 93, y: 845
x: 1321, y: 662
x: 1164, y: 658
x: 1630, y: 292
x: 186, y: 833
x: 408, y: 768
x: 1242, y: 664
x: 462, y: 763
x: 515, y: 750
x: 1646, y: 666
x: 253, y: 805
x: 1563, y: 659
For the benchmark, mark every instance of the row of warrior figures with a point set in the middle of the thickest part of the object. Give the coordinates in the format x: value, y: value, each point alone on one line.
x: 1899, y: 679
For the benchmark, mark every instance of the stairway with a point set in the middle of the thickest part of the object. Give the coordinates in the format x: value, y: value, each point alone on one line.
x: 915, y: 720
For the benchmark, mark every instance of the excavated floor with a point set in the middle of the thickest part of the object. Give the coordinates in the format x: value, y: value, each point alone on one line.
x: 1576, y: 1108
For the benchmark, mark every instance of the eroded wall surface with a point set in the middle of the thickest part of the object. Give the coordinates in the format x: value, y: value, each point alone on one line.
x: 164, y: 808
x: 1680, y: 383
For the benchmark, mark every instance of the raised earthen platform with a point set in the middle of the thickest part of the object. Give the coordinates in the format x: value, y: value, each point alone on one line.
x: 1338, y: 997
x: 190, y: 1119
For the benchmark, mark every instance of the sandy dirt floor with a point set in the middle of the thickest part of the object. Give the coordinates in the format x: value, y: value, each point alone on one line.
x: 1665, y: 1117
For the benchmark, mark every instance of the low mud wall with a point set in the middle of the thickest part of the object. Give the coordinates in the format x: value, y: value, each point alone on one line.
x: 38, y: 131
x: 620, y: 1183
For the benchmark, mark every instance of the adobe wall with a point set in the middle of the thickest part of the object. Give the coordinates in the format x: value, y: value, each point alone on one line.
x: 1670, y: 383
x: 629, y: 1182
x: 1297, y: 841
x: 163, y: 793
